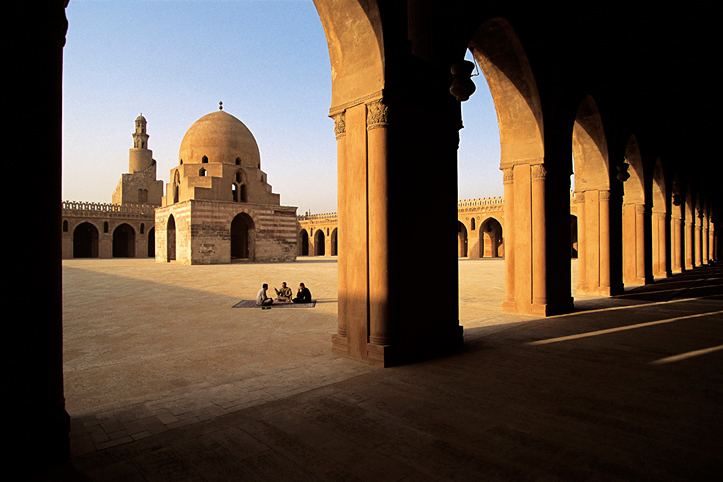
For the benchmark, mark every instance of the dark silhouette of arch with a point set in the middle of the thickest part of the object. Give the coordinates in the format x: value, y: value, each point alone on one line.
x: 242, y: 228
x: 152, y: 243
x: 85, y: 241
x: 124, y: 241
x: 319, y: 243
x: 303, y: 243
x: 461, y: 239
x: 171, y: 239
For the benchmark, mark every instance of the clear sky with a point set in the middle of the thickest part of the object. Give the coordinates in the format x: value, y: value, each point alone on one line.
x: 267, y: 60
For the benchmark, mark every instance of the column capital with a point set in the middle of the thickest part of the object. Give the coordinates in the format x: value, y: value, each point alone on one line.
x: 538, y: 172
x: 377, y: 114
x: 508, y: 175
x: 339, y: 124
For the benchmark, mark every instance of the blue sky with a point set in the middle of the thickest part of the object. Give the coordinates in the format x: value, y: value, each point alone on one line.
x: 267, y: 60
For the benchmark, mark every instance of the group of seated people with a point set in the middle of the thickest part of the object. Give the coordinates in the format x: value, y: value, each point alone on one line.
x: 284, y: 295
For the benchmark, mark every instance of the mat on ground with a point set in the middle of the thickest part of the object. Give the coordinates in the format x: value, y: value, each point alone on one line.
x: 252, y: 304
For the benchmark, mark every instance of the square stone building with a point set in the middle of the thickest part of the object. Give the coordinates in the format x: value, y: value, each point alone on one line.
x: 219, y: 206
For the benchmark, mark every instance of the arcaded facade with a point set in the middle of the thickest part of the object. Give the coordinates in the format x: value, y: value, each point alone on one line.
x: 621, y: 96
x: 123, y: 228
x: 219, y: 206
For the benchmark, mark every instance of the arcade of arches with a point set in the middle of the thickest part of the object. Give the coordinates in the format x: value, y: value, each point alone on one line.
x: 622, y: 99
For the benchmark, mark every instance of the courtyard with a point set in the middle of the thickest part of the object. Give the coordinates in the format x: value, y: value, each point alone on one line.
x: 164, y: 380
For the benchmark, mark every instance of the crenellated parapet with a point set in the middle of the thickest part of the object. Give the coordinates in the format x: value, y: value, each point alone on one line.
x: 317, y: 217
x: 94, y: 209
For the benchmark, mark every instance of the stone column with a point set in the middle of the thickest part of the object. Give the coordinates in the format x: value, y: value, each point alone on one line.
x: 705, y: 240
x: 698, y: 233
x: 634, y: 243
x: 688, y: 245
x: 676, y: 244
x: 539, y: 246
x: 604, y: 229
x: 660, y: 245
x: 509, y: 220
x: 378, y: 193
x: 339, y: 341
x: 581, y: 242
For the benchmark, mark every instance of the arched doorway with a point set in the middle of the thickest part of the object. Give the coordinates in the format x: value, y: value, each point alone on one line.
x: 634, y: 211
x: 461, y: 240
x: 85, y: 241
x: 334, y: 245
x: 592, y: 197
x: 242, y: 237
x: 152, y: 243
x: 505, y: 65
x: 490, y: 239
x: 171, y: 239
x: 319, y: 243
x: 303, y: 243
x: 124, y: 241
x: 659, y: 223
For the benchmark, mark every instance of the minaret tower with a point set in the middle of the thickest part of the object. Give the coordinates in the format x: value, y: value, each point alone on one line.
x: 140, y: 158
x: 139, y: 185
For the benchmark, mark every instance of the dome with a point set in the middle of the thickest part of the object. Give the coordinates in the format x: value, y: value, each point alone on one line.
x: 221, y: 138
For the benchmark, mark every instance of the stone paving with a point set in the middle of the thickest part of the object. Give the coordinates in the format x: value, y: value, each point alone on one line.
x: 165, y: 381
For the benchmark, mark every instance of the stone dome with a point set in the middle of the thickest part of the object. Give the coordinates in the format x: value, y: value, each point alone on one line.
x: 221, y: 138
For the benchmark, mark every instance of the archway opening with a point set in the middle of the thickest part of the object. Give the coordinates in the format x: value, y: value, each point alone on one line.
x: 462, y: 240
x: 491, y: 242
x: 152, y: 243
x: 124, y: 241
x: 171, y: 239
x: 85, y: 241
x: 334, y: 242
x: 592, y: 199
x: 242, y: 237
x: 303, y: 241
x: 319, y: 243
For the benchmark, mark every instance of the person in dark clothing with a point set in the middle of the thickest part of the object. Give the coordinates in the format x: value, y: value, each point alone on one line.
x: 303, y: 295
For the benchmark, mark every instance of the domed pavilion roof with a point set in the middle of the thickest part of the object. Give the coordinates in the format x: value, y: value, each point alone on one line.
x: 222, y: 138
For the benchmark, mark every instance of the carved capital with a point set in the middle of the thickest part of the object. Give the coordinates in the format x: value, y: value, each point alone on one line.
x: 340, y: 124
x: 604, y: 195
x: 377, y: 114
x: 508, y: 176
x: 579, y: 197
x: 539, y: 172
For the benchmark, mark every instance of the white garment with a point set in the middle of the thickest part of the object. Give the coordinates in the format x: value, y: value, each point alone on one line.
x: 261, y: 297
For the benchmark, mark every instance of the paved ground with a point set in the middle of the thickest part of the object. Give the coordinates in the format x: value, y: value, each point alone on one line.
x: 166, y: 382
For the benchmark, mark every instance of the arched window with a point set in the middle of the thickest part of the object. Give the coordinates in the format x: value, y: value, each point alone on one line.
x: 143, y: 228
x: 204, y: 160
x: 202, y: 172
x: 238, y: 161
x: 105, y: 227
x: 472, y: 225
x: 65, y: 226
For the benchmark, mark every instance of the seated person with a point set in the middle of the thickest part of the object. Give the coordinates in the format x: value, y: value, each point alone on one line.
x: 303, y: 295
x: 261, y: 299
x: 284, y: 294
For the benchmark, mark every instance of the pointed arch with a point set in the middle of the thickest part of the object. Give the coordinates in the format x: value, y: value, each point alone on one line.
x: 85, y: 241
x: 660, y: 222
x: 634, y: 212
x: 592, y: 195
x: 242, y: 237
x: 171, y: 239
x: 503, y: 61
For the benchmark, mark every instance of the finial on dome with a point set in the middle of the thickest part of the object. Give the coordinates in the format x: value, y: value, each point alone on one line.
x: 220, y: 105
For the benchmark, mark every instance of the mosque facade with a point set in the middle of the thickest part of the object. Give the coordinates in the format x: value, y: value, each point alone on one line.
x: 123, y: 228
x: 219, y: 206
